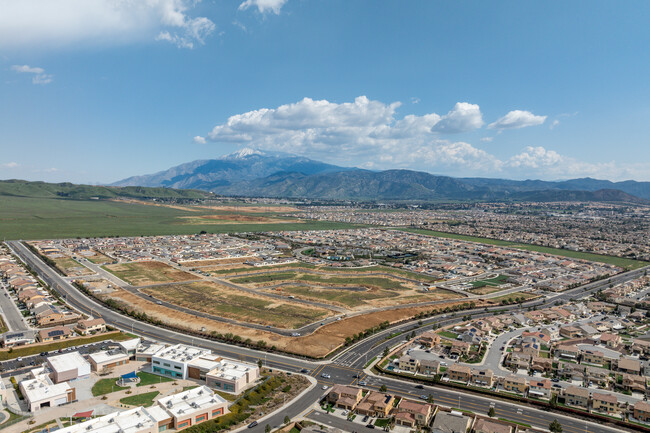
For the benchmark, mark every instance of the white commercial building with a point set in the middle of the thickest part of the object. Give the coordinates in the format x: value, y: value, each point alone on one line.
x: 68, y: 366
x: 41, y: 392
x: 172, y: 361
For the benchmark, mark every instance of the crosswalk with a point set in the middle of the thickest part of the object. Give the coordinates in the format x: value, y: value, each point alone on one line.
x: 348, y: 359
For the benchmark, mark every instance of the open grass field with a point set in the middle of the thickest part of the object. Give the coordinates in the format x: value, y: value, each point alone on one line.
x: 513, y: 296
x: 234, y: 304
x: 50, y: 218
x: 616, y: 261
x: 106, y: 386
x: 221, y: 219
x: 144, y: 399
x: 496, y: 281
x: 487, y: 289
x: 145, y: 273
x: 345, y: 298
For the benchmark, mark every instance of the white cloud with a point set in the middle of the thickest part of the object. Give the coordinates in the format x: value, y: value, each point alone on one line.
x: 199, y: 140
x: 46, y: 23
x: 11, y: 164
x: 415, y: 100
x: 554, y: 124
x: 535, y: 157
x: 462, y: 118
x: 38, y: 74
x: 487, y: 139
x: 517, y: 119
x: 264, y: 6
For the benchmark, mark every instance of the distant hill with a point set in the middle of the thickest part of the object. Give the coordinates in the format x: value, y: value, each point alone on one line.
x: 367, y: 185
x: 245, y: 165
x: 254, y: 173
x: 23, y: 188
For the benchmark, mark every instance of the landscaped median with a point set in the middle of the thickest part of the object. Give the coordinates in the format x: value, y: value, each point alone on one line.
x: 435, y: 381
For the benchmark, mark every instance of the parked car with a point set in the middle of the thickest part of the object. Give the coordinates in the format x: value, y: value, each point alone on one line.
x: 253, y: 424
x: 365, y: 418
x: 370, y: 426
x: 419, y: 386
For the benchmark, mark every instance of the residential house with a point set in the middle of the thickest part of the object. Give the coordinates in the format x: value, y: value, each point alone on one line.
x: 567, y: 351
x: 606, y: 403
x: 610, y: 340
x: 518, y: 360
x: 91, y: 326
x: 459, y: 373
x: 429, y: 366
x: 484, y: 377
x: 54, y: 334
x: 450, y: 422
x: 630, y: 366
x: 376, y: 404
x: 483, y: 425
x: 593, y: 357
x: 515, y: 384
x: 345, y: 397
x: 634, y: 382
x: 570, y: 332
x: 411, y: 413
x: 407, y: 363
x: 531, y: 349
x: 577, y: 396
x: 429, y: 339
x: 539, y: 388
x: 17, y: 338
x: 459, y: 348
x: 541, y: 365
x: 642, y: 411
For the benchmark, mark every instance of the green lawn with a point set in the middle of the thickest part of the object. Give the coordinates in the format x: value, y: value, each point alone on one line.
x: 617, y: 261
x: 448, y: 334
x: 496, y: 281
x: 151, y: 379
x: 106, y: 386
x: 49, y: 218
x: 145, y: 399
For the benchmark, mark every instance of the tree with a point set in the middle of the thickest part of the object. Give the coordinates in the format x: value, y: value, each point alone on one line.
x: 386, y: 351
x: 555, y: 427
x: 383, y: 388
x: 287, y: 420
x: 267, y: 429
x: 492, y: 412
x: 430, y: 398
x: 260, y: 363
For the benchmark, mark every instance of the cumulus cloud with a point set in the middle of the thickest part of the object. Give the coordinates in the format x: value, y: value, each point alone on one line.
x: 264, y: 6
x: 535, y: 157
x: 45, y: 23
x: 517, y: 119
x: 11, y: 164
x: 200, y: 140
x: 38, y: 74
x: 462, y: 118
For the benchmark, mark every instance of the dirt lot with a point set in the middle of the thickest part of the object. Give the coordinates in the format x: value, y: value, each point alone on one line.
x: 318, y: 344
x: 251, y: 209
x: 235, y: 304
x: 145, y: 273
x: 217, y: 263
x: 71, y: 267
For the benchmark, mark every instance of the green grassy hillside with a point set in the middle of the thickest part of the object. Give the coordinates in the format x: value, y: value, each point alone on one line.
x: 22, y: 188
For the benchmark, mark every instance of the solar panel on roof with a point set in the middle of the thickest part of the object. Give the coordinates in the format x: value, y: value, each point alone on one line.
x: 55, y: 333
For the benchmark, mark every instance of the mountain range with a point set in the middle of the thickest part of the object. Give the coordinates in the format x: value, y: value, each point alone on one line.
x: 254, y: 173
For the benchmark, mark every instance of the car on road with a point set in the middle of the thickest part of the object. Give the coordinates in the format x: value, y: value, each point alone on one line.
x: 557, y: 385
x: 304, y: 370
x: 555, y: 380
x: 419, y: 386
x: 370, y: 426
x: 423, y: 397
x: 362, y: 383
x: 324, y: 387
x: 253, y: 424
x: 355, y: 376
x: 159, y: 302
x: 502, y: 347
x: 325, y: 376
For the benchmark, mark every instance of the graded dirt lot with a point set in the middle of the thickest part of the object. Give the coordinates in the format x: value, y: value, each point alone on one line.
x: 71, y: 267
x: 99, y: 258
x: 146, y: 273
x: 251, y: 209
x: 235, y: 304
x: 318, y: 344
x: 218, y: 263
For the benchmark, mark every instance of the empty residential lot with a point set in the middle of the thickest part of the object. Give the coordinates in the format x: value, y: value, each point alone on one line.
x: 146, y: 273
x: 235, y: 304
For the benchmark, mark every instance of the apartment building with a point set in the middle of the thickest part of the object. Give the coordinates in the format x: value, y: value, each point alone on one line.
x: 593, y: 357
x: 429, y: 339
x: 429, y: 366
x: 567, y: 351
x: 407, y: 363
x: 642, y: 411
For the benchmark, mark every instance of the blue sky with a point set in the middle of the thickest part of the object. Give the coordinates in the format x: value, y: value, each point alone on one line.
x: 98, y: 91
